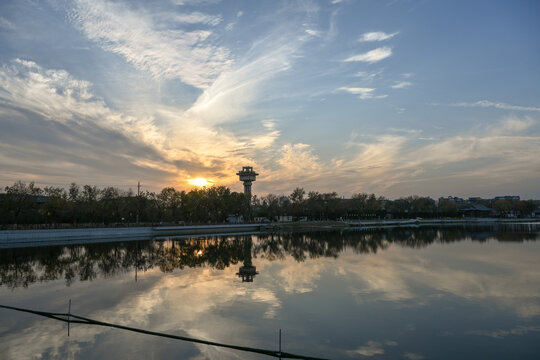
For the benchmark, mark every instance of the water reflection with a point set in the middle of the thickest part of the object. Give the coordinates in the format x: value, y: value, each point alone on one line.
x: 21, y: 267
x: 247, y: 271
x: 404, y: 293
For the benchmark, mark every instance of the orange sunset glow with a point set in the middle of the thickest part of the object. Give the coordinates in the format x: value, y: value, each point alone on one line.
x: 199, y: 182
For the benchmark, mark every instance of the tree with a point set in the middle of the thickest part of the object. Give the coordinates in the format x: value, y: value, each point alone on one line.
x: 297, y: 202
x: 21, y: 202
x: 169, y: 202
x: 56, y: 204
x: 448, y: 208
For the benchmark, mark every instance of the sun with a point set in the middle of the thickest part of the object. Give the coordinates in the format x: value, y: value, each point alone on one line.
x: 199, y: 182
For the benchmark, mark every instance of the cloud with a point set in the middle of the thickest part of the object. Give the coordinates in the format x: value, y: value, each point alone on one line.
x: 196, y: 18
x: 233, y: 90
x: 171, y: 54
x: 58, y: 128
x: 6, y: 24
x: 376, y: 36
x: 368, y: 76
x: 297, y: 158
x: 194, y: 2
x: 57, y: 96
x: 363, y: 93
x: 401, y: 85
x: 511, y: 125
x: 397, y: 163
x: 195, y: 142
x: 372, y: 56
x: 490, y: 104
x: 313, y: 32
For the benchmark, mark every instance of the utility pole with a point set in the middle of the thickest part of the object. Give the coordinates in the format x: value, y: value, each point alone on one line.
x: 138, y: 199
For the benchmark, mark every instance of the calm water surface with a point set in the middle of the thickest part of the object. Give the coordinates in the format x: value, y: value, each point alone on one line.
x: 424, y: 293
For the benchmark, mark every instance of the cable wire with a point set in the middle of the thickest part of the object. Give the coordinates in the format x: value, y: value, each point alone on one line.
x: 66, y: 317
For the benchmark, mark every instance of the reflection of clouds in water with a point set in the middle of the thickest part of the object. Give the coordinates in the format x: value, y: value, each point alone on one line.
x: 213, y: 304
x: 501, y: 334
x: 191, y: 302
x: 371, y: 348
x: 268, y: 297
x: 413, y: 356
x: 504, y: 274
x: 48, y: 339
x: 302, y: 277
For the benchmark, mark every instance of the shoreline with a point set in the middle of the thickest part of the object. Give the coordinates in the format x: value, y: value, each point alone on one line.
x: 46, y: 237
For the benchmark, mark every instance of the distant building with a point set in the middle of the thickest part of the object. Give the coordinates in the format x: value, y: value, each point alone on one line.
x: 453, y: 199
x: 284, y: 218
x: 233, y: 219
x: 477, y: 210
x: 506, y: 197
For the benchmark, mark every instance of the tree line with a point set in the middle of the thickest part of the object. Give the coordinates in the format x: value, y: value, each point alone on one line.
x: 26, y: 203
x: 314, y: 205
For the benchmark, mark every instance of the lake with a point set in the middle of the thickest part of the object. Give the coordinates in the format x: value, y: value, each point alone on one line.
x: 465, y: 292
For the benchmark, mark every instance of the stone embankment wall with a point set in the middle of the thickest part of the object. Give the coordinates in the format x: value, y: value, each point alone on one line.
x: 26, y: 238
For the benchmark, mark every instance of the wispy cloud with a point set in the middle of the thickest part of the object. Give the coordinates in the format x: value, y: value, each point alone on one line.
x: 363, y: 93
x: 57, y: 96
x: 511, y: 125
x: 368, y: 76
x: 401, y: 85
x: 376, y: 36
x: 194, y: 2
x: 372, y: 56
x: 229, y: 95
x: 396, y: 163
x: 6, y: 24
x: 186, y: 55
x: 196, y: 18
x: 59, y: 128
x: 497, y: 105
x: 313, y: 32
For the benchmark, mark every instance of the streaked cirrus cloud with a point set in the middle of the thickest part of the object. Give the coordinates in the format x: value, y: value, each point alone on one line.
x: 363, y: 93
x: 497, y: 105
x: 371, y: 56
x: 187, y: 55
x: 401, y: 85
x: 376, y: 36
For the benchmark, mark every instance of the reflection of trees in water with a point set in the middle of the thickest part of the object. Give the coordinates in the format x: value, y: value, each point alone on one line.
x: 23, y: 266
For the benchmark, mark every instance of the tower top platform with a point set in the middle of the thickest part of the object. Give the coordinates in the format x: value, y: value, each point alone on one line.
x: 247, y: 176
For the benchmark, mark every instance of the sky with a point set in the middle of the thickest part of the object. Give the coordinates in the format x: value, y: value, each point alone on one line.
x: 396, y: 97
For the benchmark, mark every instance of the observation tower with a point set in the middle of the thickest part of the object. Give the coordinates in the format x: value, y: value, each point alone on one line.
x: 247, y: 176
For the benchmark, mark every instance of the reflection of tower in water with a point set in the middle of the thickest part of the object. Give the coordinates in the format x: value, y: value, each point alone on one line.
x: 247, y: 272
